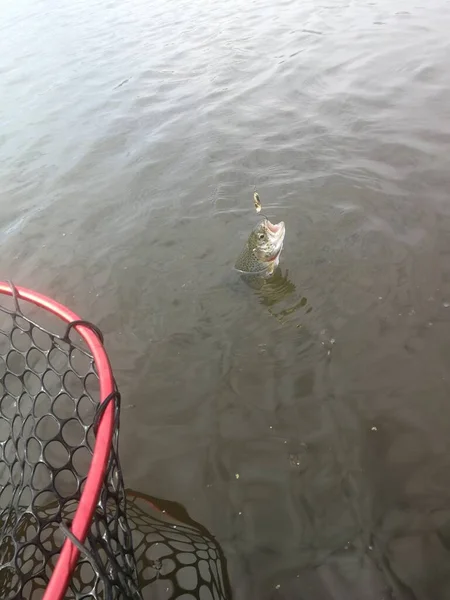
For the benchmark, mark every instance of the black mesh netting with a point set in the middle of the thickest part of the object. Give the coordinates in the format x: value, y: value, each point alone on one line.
x: 176, y: 556
x: 49, y: 397
x: 49, y: 400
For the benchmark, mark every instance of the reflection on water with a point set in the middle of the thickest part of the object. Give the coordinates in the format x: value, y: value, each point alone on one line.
x: 275, y: 290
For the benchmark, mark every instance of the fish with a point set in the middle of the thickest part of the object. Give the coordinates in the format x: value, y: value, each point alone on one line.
x: 261, y: 253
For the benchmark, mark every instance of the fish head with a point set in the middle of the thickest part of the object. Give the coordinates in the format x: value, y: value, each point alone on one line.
x: 261, y: 252
x: 266, y: 240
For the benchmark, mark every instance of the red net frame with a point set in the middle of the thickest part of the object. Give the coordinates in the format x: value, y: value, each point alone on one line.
x: 103, y: 449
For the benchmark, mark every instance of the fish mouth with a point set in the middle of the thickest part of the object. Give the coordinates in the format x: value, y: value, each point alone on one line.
x: 276, y: 231
x: 274, y: 227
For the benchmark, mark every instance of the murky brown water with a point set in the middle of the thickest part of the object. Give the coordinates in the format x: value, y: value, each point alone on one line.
x: 132, y: 136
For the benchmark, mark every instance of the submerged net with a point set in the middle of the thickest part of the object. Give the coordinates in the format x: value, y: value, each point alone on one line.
x: 177, y: 558
x: 135, y: 548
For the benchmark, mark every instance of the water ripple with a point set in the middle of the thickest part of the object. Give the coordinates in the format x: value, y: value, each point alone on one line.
x: 133, y: 135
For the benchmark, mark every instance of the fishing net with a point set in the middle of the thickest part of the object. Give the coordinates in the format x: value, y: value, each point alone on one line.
x: 63, y: 526
x: 177, y: 557
x: 68, y: 529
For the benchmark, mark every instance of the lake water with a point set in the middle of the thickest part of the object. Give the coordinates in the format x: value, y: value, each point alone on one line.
x: 306, y: 425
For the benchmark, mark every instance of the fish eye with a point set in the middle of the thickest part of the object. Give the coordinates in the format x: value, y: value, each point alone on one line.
x: 261, y: 236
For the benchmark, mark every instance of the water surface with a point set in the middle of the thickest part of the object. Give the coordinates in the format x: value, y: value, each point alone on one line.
x: 132, y: 137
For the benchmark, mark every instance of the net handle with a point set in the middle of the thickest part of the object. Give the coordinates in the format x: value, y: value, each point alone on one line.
x: 69, y: 554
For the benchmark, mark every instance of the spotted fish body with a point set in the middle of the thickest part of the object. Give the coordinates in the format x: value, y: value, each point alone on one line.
x: 261, y: 253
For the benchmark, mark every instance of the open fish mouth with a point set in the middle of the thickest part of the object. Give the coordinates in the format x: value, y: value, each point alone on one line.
x: 276, y: 231
x: 274, y: 227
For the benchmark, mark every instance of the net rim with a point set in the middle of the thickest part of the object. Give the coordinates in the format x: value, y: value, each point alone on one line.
x: 68, y: 557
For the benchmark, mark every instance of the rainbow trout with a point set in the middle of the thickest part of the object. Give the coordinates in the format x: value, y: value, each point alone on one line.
x: 261, y: 253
